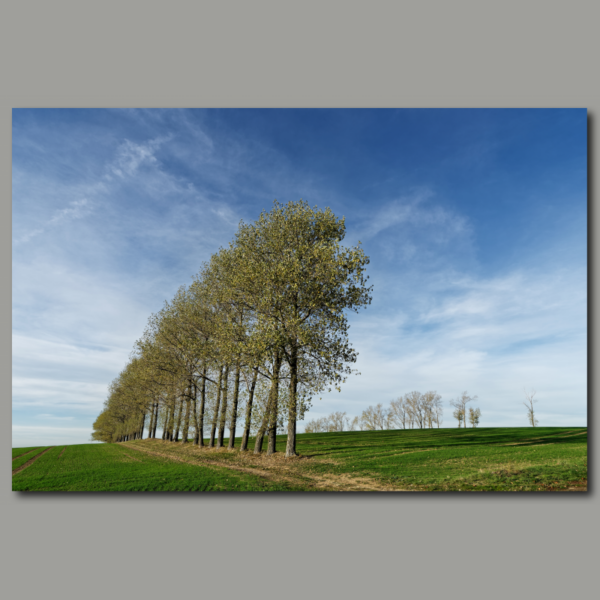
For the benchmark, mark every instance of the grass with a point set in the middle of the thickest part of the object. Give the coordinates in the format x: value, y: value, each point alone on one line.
x: 23, y: 458
x: 20, y: 451
x: 485, y: 459
x: 94, y: 467
x: 491, y: 459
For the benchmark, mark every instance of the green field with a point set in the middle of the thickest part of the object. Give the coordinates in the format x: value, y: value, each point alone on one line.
x: 20, y: 458
x: 20, y: 451
x: 485, y: 459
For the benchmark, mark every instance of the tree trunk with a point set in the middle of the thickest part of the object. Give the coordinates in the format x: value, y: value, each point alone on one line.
x: 156, y: 413
x: 213, y: 428
x: 171, y: 415
x: 166, y: 424
x: 248, y: 421
x: 152, y: 431
x: 232, y: 422
x: 186, y: 422
x: 195, y: 411
x: 260, y: 434
x: 155, y: 421
x: 179, y: 415
x: 171, y: 421
x: 202, y: 404
x: 223, y: 408
x: 290, y: 449
x: 151, y: 424
x: 273, y: 402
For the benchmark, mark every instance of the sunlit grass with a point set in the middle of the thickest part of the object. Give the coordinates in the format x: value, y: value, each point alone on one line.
x: 486, y: 459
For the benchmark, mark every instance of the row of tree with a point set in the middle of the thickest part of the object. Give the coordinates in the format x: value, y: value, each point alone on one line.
x: 260, y: 331
x: 406, y: 412
x: 336, y: 421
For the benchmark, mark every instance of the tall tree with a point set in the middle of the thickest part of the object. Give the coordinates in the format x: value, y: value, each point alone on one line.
x: 248, y: 418
x: 296, y: 278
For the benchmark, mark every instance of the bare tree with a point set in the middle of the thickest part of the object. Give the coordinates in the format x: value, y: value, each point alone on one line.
x: 460, y: 404
x: 458, y: 414
x: 313, y: 426
x: 414, y: 405
x: 529, y: 402
x: 336, y: 421
x: 352, y: 424
x: 318, y: 425
x: 438, y: 410
x: 374, y: 417
x: 333, y: 422
x: 398, y: 414
x: 430, y: 402
x: 474, y: 416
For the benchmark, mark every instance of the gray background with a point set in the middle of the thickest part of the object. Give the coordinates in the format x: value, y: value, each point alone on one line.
x: 308, y: 54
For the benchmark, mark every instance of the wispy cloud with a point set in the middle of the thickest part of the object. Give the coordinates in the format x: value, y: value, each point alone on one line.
x: 492, y: 336
x: 122, y: 207
x: 130, y: 156
x: 404, y: 210
x: 414, y: 230
x: 77, y: 209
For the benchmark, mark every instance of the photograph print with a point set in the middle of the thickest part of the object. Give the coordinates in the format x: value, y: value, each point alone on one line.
x: 299, y: 300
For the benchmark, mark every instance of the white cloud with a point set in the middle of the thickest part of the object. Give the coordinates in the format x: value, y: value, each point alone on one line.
x: 83, y: 292
x: 130, y: 156
x: 82, y: 296
x: 415, y: 210
x: 491, y: 337
x: 51, y: 393
x: 74, y: 211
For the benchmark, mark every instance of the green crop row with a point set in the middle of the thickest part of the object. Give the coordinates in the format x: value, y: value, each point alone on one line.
x: 21, y: 460
x: 20, y: 451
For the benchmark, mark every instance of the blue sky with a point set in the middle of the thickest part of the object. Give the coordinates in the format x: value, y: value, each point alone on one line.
x: 475, y: 222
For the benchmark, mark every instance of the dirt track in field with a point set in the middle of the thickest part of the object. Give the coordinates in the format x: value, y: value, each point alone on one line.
x: 30, y: 461
x: 275, y: 468
x: 24, y: 453
x: 295, y: 471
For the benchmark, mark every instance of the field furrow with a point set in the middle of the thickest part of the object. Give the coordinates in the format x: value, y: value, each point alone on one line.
x: 30, y: 462
x: 22, y: 452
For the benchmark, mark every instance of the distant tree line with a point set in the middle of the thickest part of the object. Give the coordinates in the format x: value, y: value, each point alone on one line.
x: 413, y: 410
x: 261, y: 329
